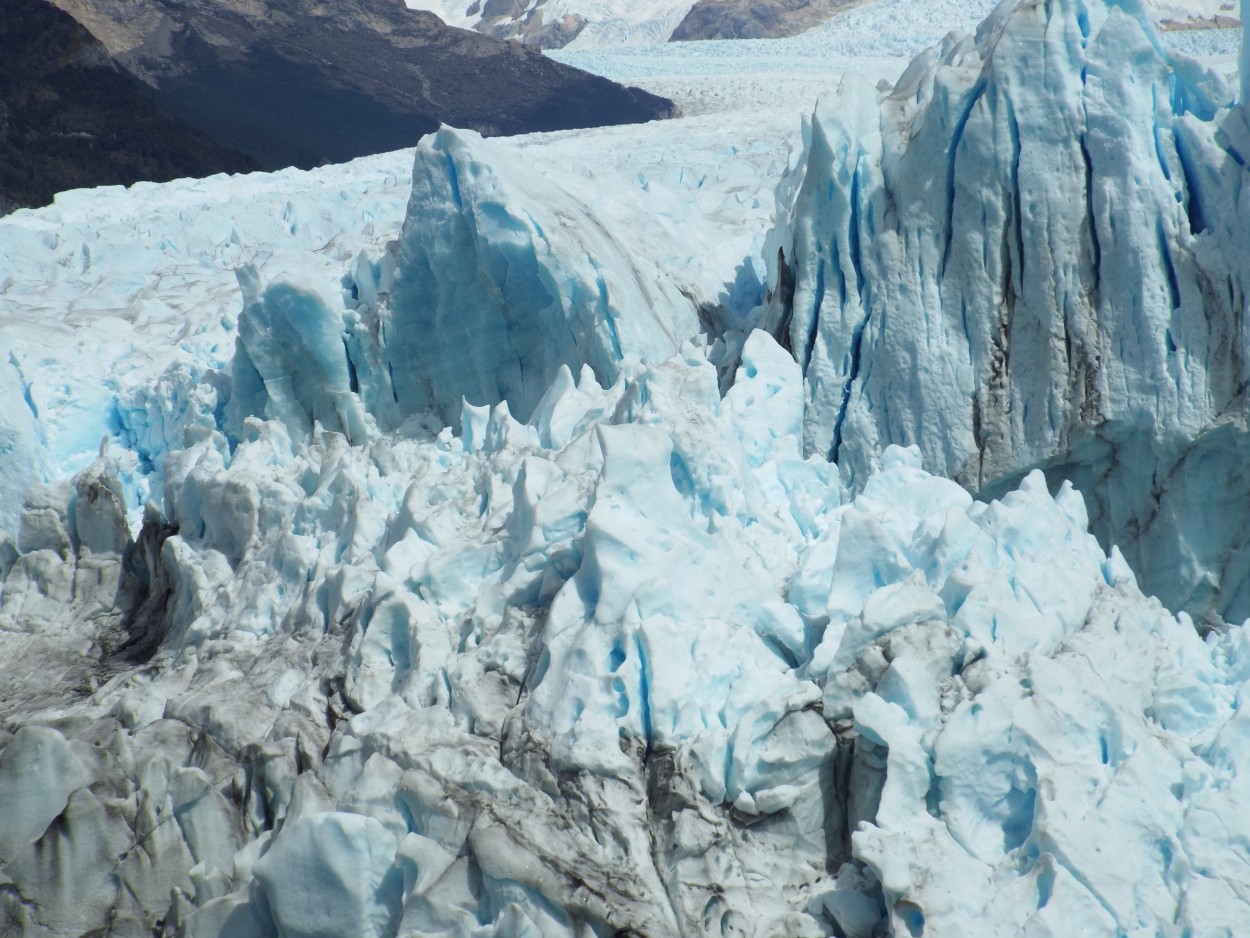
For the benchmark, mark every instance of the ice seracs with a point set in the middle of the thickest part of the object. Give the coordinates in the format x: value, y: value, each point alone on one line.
x: 613, y: 649
x: 119, y: 310
x: 636, y: 664
x: 1032, y: 252
x: 503, y: 274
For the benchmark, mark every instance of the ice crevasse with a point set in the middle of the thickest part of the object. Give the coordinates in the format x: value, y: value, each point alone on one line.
x: 623, y: 654
x: 1031, y: 252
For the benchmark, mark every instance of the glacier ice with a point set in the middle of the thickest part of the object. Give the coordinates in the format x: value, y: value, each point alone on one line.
x: 119, y: 307
x: 1031, y: 253
x: 150, y: 274
x: 633, y: 665
x: 316, y: 646
x: 506, y: 271
x: 502, y: 277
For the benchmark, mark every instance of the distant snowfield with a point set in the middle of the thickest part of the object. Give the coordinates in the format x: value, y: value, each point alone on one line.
x: 769, y: 77
x: 766, y: 78
x: 609, y: 22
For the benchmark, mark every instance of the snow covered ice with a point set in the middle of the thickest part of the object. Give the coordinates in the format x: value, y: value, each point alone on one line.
x: 459, y: 561
x: 594, y: 22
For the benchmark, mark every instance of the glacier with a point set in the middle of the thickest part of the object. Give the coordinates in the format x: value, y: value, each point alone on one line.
x: 635, y: 664
x: 521, y: 279
x: 1066, y: 171
x: 350, y: 627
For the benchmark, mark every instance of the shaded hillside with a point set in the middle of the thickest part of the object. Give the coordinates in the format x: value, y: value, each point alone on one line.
x: 69, y: 118
x: 754, y: 19
x: 297, y: 82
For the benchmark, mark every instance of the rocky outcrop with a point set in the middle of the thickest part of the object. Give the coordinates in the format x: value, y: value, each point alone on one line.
x: 70, y: 118
x: 749, y: 19
x: 304, y: 83
x: 516, y: 19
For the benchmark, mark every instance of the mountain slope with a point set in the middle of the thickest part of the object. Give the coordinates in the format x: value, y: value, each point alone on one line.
x: 70, y: 118
x: 753, y: 19
x: 301, y: 83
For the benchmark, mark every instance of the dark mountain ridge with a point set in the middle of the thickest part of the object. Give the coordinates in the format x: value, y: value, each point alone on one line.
x: 754, y: 19
x: 70, y: 118
x: 301, y: 82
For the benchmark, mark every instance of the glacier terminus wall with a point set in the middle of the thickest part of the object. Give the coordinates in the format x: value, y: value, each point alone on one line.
x: 1032, y: 252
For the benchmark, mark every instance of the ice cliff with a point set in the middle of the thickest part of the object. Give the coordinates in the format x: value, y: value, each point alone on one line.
x: 1032, y: 252
x: 502, y: 277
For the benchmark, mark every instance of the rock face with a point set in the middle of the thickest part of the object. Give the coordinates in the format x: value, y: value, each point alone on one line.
x: 70, y: 118
x: 516, y: 19
x: 303, y: 83
x: 752, y: 19
x: 1033, y: 253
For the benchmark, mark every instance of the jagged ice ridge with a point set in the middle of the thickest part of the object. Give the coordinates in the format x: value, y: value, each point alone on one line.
x: 1031, y: 252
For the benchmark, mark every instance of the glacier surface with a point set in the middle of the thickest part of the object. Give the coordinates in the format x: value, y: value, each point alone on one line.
x: 350, y: 628
x: 634, y: 665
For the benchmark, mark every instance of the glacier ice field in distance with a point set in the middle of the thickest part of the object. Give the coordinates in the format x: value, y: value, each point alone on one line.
x: 822, y: 514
